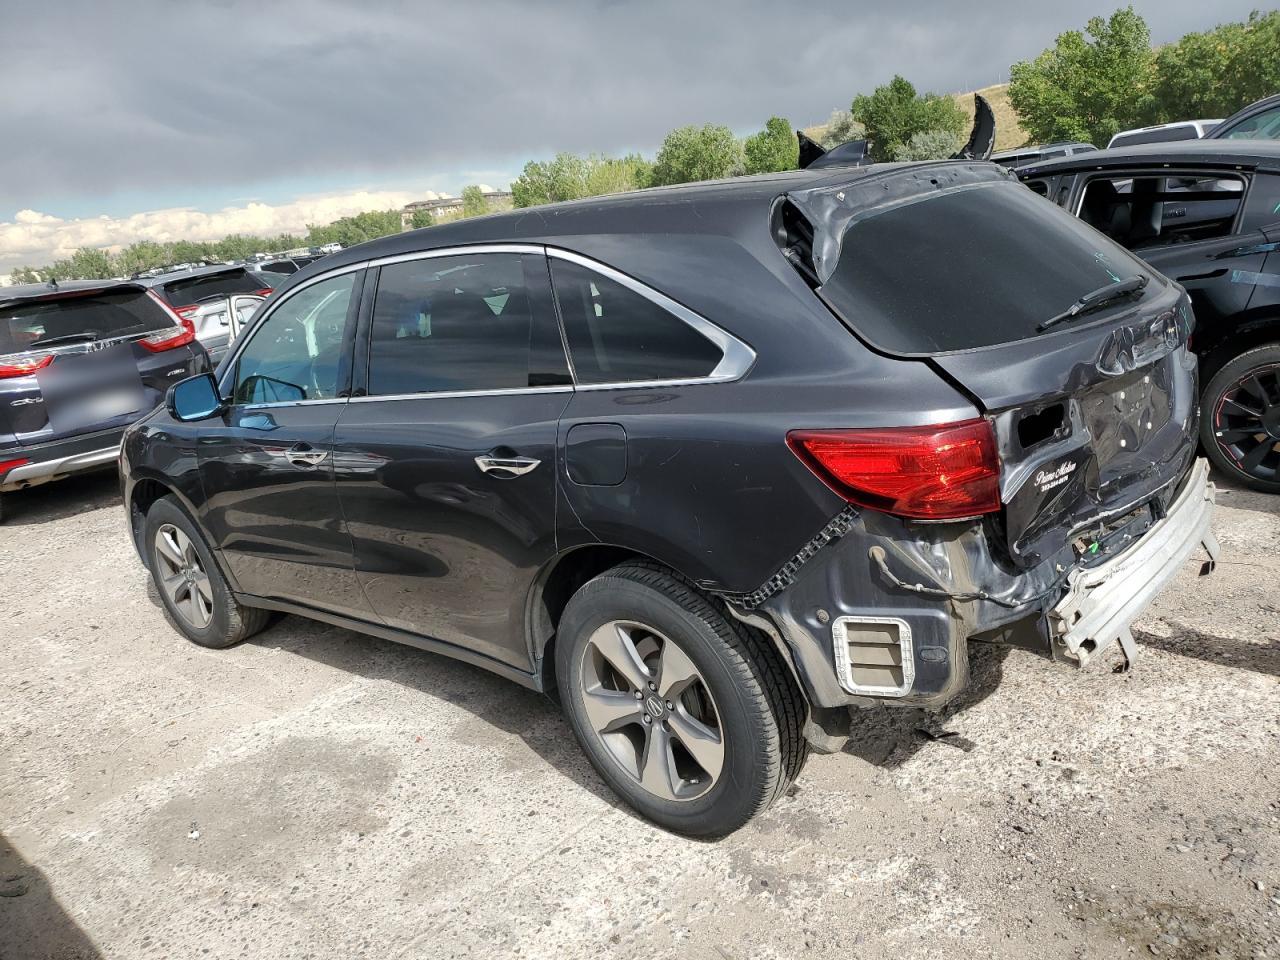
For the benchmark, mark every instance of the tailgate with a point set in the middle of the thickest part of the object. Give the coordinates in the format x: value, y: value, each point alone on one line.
x: 957, y: 265
x: 1091, y: 427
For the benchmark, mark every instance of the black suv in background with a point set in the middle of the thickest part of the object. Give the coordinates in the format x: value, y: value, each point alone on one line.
x: 1207, y: 214
x: 719, y: 463
x: 79, y: 361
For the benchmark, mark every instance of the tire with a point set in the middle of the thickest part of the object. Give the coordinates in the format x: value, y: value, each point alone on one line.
x: 715, y: 751
x: 219, y: 620
x: 1240, y: 418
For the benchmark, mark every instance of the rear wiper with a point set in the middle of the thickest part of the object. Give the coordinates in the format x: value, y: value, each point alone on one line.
x: 1129, y: 287
x: 67, y: 338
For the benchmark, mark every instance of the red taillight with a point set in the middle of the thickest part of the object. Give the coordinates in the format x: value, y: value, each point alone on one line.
x: 180, y: 334
x: 926, y: 473
x: 264, y: 292
x: 21, y: 365
x: 7, y: 465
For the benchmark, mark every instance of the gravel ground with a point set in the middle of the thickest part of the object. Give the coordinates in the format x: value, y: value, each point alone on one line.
x: 314, y: 793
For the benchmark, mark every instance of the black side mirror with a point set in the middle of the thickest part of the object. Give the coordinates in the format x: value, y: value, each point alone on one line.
x: 194, y: 398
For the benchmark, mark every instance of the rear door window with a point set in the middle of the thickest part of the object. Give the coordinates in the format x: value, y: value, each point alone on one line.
x: 1144, y: 212
x: 1263, y: 126
x: 967, y: 267
x: 467, y: 323
x: 30, y: 325
x: 617, y: 335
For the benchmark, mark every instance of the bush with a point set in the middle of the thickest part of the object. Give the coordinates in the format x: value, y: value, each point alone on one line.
x: 691, y: 153
x: 894, y: 113
x: 773, y: 149
x: 928, y: 145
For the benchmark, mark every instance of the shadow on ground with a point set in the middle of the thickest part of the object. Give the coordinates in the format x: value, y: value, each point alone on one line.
x: 1187, y: 641
x: 33, y: 924
x: 61, y: 499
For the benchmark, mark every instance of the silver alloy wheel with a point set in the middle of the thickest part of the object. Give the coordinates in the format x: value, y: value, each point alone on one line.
x: 652, y: 710
x: 182, y: 577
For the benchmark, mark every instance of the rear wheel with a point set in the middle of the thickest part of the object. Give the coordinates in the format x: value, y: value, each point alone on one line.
x: 195, y: 595
x: 692, y: 719
x: 1240, y: 418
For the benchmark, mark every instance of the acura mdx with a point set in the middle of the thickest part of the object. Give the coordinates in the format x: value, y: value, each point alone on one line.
x: 716, y: 464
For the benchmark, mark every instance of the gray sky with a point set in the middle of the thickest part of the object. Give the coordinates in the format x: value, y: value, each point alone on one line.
x: 117, y: 108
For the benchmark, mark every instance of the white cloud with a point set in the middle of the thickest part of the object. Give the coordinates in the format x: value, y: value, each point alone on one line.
x: 35, y: 238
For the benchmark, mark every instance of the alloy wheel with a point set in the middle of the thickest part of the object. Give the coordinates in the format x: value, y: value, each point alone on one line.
x: 652, y: 710
x: 1246, y: 422
x: 182, y: 577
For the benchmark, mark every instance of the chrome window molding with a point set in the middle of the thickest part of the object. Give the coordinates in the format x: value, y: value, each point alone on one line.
x: 736, y: 357
x: 448, y: 394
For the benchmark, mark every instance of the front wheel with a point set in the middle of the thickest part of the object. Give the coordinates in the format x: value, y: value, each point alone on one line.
x: 692, y: 720
x: 195, y: 595
x: 1240, y: 418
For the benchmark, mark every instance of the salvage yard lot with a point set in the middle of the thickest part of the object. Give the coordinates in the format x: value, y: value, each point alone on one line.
x: 318, y: 793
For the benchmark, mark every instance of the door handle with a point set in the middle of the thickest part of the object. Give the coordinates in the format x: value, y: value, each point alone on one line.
x: 515, y: 466
x: 304, y: 455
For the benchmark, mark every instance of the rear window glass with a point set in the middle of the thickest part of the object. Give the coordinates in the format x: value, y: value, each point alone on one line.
x: 31, y: 325
x: 195, y: 289
x: 968, y: 268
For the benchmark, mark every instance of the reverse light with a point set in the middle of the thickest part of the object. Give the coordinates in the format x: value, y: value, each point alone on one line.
x: 945, y: 472
x: 23, y: 364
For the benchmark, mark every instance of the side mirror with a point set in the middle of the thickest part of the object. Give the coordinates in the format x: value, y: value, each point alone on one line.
x: 194, y: 398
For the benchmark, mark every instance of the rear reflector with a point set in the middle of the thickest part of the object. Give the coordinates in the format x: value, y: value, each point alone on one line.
x: 23, y: 364
x: 945, y: 472
x: 7, y: 465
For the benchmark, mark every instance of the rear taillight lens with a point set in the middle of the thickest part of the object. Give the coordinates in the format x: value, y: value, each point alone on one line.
x: 7, y: 465
x: 23, y: 364
x: 945, y: 472
x: 177, y: 336
x: 180, y: 334
x: 264, y: 292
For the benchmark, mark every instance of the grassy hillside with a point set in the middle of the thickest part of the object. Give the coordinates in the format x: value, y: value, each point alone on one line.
x: 1009, y: 133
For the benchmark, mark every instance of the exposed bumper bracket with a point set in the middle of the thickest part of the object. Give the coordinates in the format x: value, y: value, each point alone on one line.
x: 1103, y: 601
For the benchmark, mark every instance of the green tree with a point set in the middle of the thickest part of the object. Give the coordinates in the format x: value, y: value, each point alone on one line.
x: 892, y: 114
x: 691, y: 153
x: 928, y: 145
x: 1089, y: 85
x: 421, y: 218
x: 841, y: 128
x: 349, y: 231
x: 616, y: 174
x: 1215, y: 73
x: 773, y: 149
x: 563, y: 178
x: 24, y: 275
x: 474, y: 202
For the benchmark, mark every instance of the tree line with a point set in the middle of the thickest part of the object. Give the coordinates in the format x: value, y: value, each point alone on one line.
x: 1089, y: 85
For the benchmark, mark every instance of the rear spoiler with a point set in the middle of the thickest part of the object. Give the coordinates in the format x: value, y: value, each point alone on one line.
x: 856, y: 153
x: 55, y: 293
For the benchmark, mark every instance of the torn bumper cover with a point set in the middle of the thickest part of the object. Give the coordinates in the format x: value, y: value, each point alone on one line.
x: 1102, y: 601
x: 883, y: 612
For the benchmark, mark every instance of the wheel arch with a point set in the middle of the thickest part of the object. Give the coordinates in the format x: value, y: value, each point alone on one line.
x: 1251, y: 330
x: 561, y: 577
x: 144, y: 491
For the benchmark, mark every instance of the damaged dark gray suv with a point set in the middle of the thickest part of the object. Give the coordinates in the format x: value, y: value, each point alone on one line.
x: 717, y: 464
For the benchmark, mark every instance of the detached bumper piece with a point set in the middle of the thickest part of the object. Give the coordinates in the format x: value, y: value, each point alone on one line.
x: 1103, y: 601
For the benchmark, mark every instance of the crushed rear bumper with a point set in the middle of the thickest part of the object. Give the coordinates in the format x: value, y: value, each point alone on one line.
x: 1102, y: 601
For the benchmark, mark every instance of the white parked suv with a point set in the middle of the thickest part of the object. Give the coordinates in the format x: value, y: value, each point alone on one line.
x: 1164, y: 132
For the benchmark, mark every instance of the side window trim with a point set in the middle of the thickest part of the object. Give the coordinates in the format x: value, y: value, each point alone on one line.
x: 736, y: 357
x: 231, y: 369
